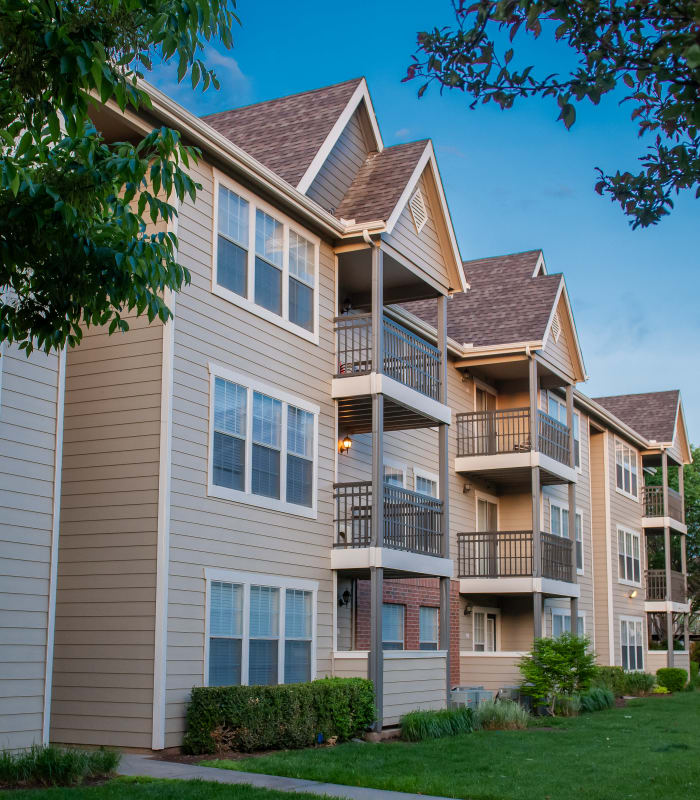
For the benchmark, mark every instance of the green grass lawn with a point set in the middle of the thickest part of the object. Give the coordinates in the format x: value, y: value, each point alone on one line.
x: 649, y: 749
x: 152, y: 789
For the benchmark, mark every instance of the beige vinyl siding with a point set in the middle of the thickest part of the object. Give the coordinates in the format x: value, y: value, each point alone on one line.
x: 426, y: 249
x: 658, y: 659
x: 209, y: 532
x: 561, y: 353
x: 103, y: 669
x: 412, y: 683
x: 344, y: 667
x: 493, y: 672
x: 28, y: 407
x: 342, y: 165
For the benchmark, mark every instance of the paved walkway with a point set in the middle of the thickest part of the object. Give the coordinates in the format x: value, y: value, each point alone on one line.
x: 145, y: 765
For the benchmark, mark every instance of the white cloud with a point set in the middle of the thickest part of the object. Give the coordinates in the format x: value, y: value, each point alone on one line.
x: 402, y: 133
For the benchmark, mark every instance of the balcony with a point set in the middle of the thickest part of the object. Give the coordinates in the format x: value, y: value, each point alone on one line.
x: 409, y: 375
x: 656, y: 586
x: 654, y: 512
x: 412, y: 536
x: 498, y: 446
x: 502, y: 562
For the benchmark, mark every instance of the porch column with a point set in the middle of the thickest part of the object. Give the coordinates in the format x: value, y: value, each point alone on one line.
x: 375, y: 666
x: 667, y: 559
x: 681, y: 490
x: 535, y: 491
x: 572, y: 504
x: 444, y: 490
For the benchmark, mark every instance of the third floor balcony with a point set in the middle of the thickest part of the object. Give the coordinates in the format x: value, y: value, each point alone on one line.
x: 654, y: 510
x: 501, y: 445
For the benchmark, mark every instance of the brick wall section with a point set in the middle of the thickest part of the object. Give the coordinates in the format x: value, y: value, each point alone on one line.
x: 411, y: 593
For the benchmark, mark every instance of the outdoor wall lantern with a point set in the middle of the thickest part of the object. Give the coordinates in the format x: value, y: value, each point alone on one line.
x: 632, y: 594
x: 467, y: 609
x: 344, y: 599
x: 344, y: 445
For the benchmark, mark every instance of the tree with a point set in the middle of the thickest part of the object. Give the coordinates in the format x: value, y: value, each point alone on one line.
x: 74, y: 248
x: 649, y: 48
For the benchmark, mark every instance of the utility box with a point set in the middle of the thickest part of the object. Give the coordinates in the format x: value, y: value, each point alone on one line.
x: 470, y: 696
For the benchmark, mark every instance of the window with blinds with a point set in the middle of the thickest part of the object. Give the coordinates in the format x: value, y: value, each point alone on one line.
x: 428, y: 628
x: 632, y: 644
x: 393, y: 626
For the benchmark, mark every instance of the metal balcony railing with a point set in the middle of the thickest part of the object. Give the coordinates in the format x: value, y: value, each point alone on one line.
x: 654, y: 503
x: 656, y: 586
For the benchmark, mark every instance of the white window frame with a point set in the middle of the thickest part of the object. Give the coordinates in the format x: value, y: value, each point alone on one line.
x: 633, y: 452
x: 555, y: 503
x: 273, y: 504
x: 419, y: 472
x: 246, y: 580
x: 248, y: 303
x: 437, y: 629
x: 398, y: 466
x: 635, y: 620
x: 485, y: 610
x: 635, y: 535
x: 546, y: 395
x: 558, y: 611
x: 489, y: 498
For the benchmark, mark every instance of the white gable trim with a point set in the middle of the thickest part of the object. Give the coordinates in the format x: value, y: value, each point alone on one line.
x: 540, y: 266
x: 561, y: 292
x: 360, y: 94
x: 428, y: 158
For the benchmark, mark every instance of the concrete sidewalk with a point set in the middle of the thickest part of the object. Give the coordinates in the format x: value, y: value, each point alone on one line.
x: 146, y: 765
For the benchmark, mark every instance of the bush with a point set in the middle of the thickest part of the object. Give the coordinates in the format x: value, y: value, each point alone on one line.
x: 612, y: 678
x: 695, y: 652
x: 673, y: 678
x: 556, y: 667
x: 419, y: 725
x: 694, y: 670
x: 660, y: 690
x: 567, y: 705
x: 597, y: 698
x: 55, y: 766
x: 500, y: 715
x: 248, y: 718
x: 638, y: 683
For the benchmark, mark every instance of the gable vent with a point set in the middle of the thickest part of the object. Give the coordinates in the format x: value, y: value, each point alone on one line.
x: 418, y: 210
x: 556, y: 327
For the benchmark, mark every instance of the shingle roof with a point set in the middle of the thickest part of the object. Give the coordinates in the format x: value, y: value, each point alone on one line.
x: 285, y: 134
x: 652, y: 414
x: 505, y: 303
x: 380, y: 182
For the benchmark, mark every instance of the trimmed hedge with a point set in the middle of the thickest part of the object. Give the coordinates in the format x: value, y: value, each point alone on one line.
x: 249, y: 718
x: 673, y: 678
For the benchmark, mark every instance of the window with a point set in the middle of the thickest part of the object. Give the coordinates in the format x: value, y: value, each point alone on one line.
x: 426, y: 483
x: 393, y: 626
x: 263, y: 263
x: 632, y: 644
x: 556, y: 407
x: 263, y: 445
x: 484, y: 631
x: 559, y: 526
x: 428, y: 628
x: 628, y: 554
x: 395, y: 475
x: 561, y: 623
x: 625, y: 468
x: 260, y: 630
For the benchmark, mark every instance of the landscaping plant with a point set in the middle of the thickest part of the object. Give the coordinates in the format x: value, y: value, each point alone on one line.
x: 557, y: 667
x: 673, y: 678
x: 612, y: 678
x: 55, y: 766
x: 567, y: 705
x: 500, y: 715
x: 660, y: 690
x: 248, y: 718
x: 597, y: 698
x: 638, y: 683
x: 419, y: 725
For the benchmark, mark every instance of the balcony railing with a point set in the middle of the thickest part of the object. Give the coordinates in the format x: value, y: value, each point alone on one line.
x: 412, y: 521
x: 407, y: 358
x: 487, y: 433
x: 656, y: 585
x: 654, y: 503
x: 509, y: 554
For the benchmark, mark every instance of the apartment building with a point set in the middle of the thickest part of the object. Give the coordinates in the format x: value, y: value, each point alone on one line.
x: 336, y: 460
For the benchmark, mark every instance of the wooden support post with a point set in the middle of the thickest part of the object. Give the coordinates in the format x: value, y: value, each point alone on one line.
x: 572, y: 505
x: 534, y: 391
x: 444, y: 490
x: 377, y: 309
x: 681, y: 490
x: 667, y: 557
x: 376, y: 653
x: 444, y: 630
x: 537, y: 614
x: 535, y: 474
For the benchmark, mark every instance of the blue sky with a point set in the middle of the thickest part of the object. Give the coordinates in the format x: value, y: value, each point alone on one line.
x: 515, y: 180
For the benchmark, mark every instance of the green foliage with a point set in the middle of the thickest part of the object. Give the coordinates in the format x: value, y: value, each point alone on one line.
x: 612, y: 678
x: 597, y: 698
x: 567, y: 705
x: 74, y: 207
x: 638, y: 683
x: 649, y: 50
x: 54, y: 766
x: 660, y: 690
x: 557, y: 667
x: 695, y: 652
x: 248, y: 718
x: 500, y: 715
x: 673, y: 678
x: 419, y: 725
x: 694, y: 673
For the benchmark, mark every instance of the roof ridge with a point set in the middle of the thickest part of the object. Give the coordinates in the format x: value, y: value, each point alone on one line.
x: 504, y: 255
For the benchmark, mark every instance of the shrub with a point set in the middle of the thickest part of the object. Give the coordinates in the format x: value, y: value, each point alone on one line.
x: 660, y: 690
x: 695, y: 652
x: 500, y: 715
x: 55, y: 766
x: 694, y: 670
x: 567, y: 705
x: 249, y: 718
x: 419, y: 725
x: 556, y: 667
x: 673, y: 678
x: 612, y: 678
x: 597, y: 698
x: 638, y: 683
